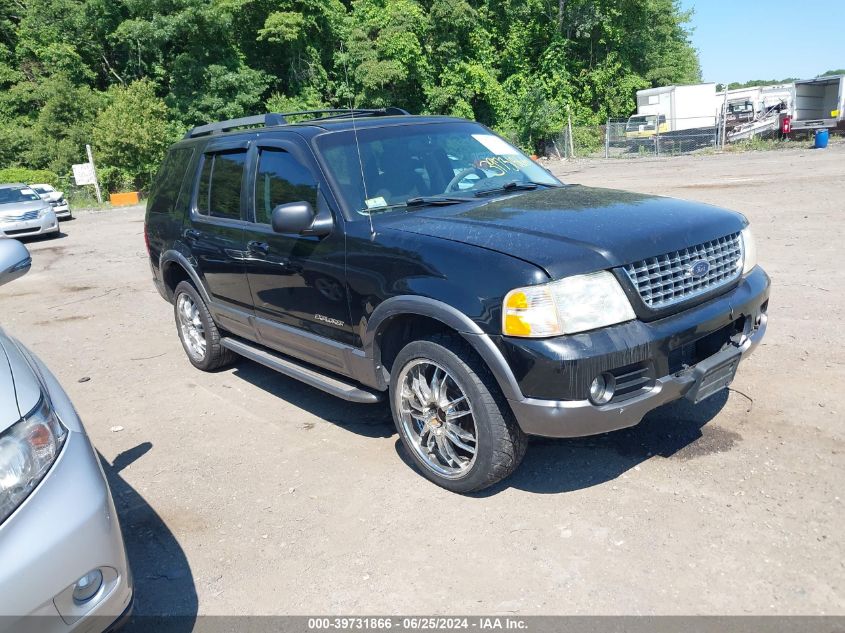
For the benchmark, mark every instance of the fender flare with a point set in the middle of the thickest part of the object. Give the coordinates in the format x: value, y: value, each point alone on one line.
x: 171, y: 257
x: 452, y: 318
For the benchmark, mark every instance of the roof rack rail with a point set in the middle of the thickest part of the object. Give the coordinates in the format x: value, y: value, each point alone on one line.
x: 264, y: 120
x: 280, y: 118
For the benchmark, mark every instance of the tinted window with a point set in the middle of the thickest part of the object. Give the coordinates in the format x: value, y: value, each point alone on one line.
x: 168, y: 182
x: 281, y: 179
x: 219, y: 192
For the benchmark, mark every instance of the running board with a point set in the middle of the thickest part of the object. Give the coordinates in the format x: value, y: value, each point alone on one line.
x: 289, y: 367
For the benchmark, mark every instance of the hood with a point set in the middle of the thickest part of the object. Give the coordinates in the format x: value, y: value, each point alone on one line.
x: 573, y: 229
x: 16, y: 208
x: 20, y: 390
x: 51, y: 196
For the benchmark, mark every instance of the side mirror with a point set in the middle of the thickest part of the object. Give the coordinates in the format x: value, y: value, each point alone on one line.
x: 14, y: 260
x: 293, y: 217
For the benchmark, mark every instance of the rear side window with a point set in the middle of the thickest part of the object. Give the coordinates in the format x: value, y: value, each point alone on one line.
x: 281, y: 179
x: 219, y: 193
x: 164, y: 194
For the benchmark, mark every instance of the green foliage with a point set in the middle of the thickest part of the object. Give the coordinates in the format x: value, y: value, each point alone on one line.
x: 131, y: 136
x: 63, y: 125
x: 130, y: 76
x: 29, y: 176
x: 308, y: 99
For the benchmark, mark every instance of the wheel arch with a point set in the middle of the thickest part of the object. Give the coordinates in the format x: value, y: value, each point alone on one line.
x: 175, y: 267
x: 388, y: 326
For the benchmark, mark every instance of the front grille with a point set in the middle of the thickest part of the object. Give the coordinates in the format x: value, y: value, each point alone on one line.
x: 29, y: 215
x: 668, y: 279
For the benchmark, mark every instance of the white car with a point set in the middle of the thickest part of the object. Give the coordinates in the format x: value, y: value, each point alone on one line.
x: 55, y: 198
x: 23, y: 213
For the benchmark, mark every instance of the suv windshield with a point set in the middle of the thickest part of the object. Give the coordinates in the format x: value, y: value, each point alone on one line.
x: 17, y: 194
x: 405, y: 165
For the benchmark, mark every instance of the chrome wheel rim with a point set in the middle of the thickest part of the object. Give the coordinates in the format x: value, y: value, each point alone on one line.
x: 191, y: 327
x: 437, y: 418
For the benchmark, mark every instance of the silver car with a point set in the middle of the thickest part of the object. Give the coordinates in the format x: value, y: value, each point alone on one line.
x: 62, y: 555
x: 23, y: 213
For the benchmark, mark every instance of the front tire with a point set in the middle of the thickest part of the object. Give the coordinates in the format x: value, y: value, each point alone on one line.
x: 199, y: 334
x: 451, y: 415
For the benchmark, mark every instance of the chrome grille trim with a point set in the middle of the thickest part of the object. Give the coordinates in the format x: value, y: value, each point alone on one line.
x: 666, y: 280
x: 29, y: 215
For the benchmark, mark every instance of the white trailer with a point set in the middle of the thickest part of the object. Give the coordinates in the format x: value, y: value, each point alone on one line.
x: 819, y: 103
x: 744, y: 105
x: 772, y: 96
x: 760, y: 97
x: 739, y: 105
x: 672, y: 109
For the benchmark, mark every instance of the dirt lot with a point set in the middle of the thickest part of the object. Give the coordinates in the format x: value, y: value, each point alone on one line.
x: 244, y: 492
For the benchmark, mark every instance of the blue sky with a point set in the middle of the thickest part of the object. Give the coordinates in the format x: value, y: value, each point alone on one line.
x: 795, y: 38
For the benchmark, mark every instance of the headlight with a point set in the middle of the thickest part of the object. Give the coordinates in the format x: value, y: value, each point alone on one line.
x: 574, y: 304
x: 749, y: 250
x: 44, y: 211
x: 27, y: 450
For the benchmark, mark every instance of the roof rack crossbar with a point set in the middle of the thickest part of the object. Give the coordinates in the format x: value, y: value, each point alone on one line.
x: 280, y: 118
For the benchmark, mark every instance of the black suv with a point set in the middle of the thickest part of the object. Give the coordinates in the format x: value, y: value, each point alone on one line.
x: 371, y: 253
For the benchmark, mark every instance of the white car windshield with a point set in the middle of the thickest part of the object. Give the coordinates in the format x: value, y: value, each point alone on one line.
x: 405, y: 164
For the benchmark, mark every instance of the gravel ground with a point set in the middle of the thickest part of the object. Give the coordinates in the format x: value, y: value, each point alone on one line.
x: 244, y: 492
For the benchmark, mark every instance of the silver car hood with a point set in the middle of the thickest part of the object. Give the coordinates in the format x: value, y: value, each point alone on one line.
x: 16, y: 208
x: 20, y: 390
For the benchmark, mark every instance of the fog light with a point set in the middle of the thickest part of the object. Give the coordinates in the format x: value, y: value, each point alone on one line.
x: 601, y: 389
x: 88, y: 586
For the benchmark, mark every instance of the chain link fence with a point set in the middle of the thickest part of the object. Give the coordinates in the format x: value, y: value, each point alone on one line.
x: 637, y: 136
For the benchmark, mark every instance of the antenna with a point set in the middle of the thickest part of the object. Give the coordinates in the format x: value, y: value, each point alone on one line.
x: 363, y: 179
x: 357, y: 144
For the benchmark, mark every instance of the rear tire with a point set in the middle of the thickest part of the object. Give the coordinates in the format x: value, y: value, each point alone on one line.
x: 199, y: 334
x: 452, y: 418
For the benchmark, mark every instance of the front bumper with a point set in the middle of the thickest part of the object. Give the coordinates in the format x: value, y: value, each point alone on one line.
x: 62, y: 210
x: 48, y: 223
x: 668, y: 359
x: 67, y: 527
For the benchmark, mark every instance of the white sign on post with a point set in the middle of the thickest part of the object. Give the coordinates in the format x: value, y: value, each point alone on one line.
x: 83, y: 174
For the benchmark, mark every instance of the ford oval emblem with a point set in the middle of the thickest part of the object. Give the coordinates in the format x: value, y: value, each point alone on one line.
x: 699, y: 268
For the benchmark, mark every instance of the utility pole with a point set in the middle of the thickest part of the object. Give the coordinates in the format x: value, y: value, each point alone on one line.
x: 94, y: 169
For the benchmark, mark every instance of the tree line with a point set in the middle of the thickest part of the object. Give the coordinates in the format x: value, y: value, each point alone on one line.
x: 130, y: 76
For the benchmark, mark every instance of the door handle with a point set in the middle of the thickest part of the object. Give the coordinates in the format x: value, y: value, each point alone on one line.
x: 258, y: 247
x: 192, y: 234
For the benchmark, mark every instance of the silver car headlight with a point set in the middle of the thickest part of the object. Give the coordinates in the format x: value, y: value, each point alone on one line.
x: 749, y: 250
x: 44, y: 211
x: 571, y: 305
x: 27, y: 450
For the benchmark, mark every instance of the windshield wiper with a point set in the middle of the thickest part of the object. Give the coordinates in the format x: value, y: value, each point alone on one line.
x: 511, y: 186
x: 418, y: 201
x: 421, y: 201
